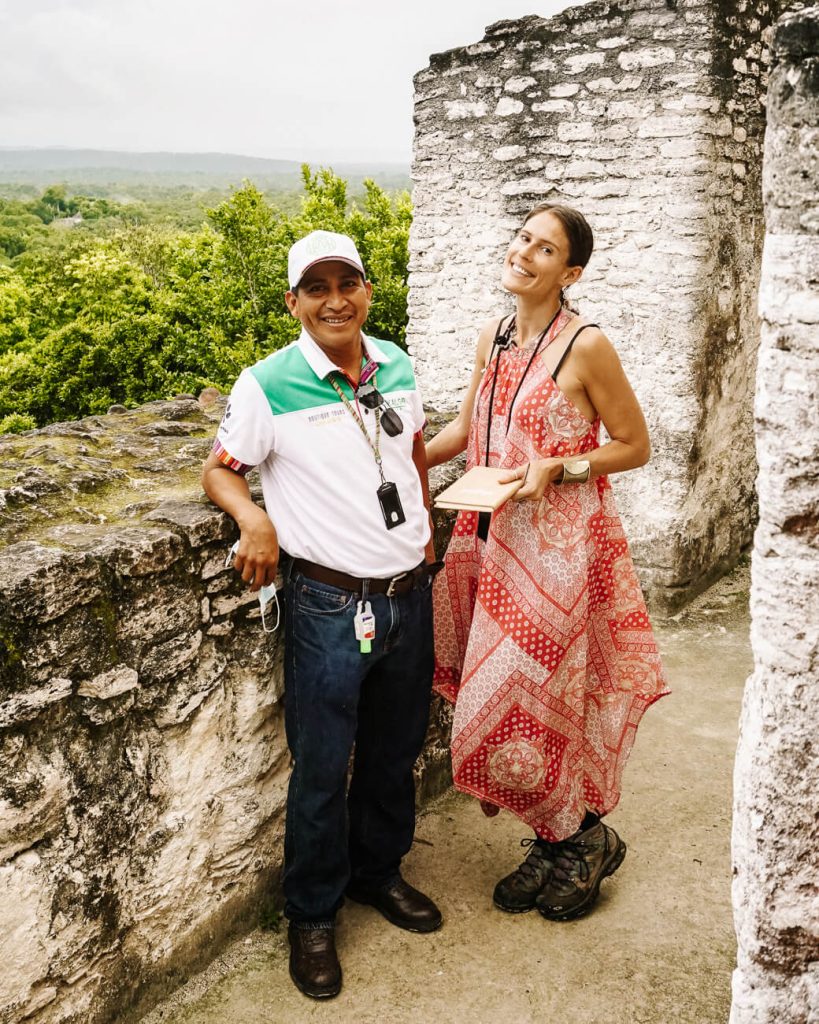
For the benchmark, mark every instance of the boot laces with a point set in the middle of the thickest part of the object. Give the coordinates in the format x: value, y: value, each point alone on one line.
x: 535, y: 859
x: 314, y: 939
x: 570, y: 862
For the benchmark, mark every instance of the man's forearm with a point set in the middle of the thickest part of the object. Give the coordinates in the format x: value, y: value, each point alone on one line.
x: 258, y: 556
x: 227, y: 489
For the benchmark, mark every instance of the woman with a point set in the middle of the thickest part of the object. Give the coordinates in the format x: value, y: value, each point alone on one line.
x: 542, y: 638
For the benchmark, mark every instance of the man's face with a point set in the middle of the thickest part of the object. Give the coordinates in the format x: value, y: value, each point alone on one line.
x: 332, y: 302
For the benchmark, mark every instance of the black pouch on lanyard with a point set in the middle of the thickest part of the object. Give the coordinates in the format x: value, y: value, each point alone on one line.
x: 390, y: 505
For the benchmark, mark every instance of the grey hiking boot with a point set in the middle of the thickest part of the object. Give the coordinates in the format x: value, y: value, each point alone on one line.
x: 517, y: 892
x: 580, y: 865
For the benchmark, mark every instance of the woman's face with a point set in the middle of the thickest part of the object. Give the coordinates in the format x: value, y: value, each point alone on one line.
x: 536, y: 262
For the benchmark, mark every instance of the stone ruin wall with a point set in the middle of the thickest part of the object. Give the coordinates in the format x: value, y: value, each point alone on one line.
x: 776, y: 863
x: 143, y: 763
x: 648, y: 116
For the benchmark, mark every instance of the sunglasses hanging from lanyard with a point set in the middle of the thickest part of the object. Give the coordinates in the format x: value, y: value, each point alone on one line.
x: 371, y: 398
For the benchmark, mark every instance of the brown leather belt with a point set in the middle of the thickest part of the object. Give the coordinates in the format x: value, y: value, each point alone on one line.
x: 401, y: 584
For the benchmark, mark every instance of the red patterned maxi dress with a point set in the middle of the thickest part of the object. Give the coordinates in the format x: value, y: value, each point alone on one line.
x: 542, y: 639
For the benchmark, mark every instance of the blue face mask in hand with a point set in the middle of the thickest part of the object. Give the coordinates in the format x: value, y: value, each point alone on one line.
x: 266, y: 594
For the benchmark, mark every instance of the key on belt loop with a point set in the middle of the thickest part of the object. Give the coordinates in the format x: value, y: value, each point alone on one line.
x: 390, y: 591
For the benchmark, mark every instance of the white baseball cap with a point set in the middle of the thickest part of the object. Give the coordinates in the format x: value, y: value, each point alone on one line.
x: 317, y: 247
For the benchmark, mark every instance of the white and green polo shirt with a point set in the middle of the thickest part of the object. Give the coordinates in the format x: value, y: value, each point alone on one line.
x: 319, y: 476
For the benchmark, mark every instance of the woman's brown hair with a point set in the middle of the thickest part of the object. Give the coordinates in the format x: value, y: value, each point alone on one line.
x: 578, y: 232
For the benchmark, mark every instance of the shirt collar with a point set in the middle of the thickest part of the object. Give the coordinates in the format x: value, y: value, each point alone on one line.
x: 322, y: 366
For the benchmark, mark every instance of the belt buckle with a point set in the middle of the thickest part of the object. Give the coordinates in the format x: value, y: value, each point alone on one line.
x: 390, y: 591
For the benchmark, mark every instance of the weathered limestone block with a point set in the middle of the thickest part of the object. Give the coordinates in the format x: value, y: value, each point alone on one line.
x: 45, y: 583
x: 776, y: 863
x: 649, y: 118
x: 118, y: 680
x: 143, y: 762
x: 200, y: 523
x: 28, y: 705
x: 24, y: 944
x: 33, y: 802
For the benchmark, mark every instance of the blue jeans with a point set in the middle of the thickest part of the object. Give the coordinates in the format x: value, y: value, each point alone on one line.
x: 335, y: 697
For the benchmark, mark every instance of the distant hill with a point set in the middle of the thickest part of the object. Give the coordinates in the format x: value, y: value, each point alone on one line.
x: 100, y: 167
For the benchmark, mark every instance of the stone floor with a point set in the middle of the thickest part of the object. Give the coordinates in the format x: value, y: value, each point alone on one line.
x: 659, y: 949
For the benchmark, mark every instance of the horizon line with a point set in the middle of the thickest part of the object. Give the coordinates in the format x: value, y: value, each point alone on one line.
x: 202, y: 152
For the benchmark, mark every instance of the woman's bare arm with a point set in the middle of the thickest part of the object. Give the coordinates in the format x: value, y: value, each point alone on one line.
x: 601, y: 374
x: 451, y: 441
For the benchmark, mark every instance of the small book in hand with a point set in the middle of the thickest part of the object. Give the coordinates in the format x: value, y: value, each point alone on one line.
x: 479, y: 490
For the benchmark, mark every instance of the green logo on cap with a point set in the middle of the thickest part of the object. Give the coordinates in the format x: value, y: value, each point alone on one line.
x: 320, y: 243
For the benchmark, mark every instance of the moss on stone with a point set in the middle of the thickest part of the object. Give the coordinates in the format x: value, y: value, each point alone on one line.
x: 103, y: 612
x: 104, y: 469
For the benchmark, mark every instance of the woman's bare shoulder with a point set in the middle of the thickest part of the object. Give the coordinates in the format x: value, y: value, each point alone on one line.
x: 590, y: 338
x: 593, y: 349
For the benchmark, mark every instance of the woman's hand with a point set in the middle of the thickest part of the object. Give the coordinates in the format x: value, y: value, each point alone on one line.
x: 536, y: 478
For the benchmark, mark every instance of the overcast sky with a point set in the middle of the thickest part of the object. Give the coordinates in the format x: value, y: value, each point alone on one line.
x: 305, y: 80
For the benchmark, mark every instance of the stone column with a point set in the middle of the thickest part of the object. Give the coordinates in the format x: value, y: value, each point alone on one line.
x: 775, y: 839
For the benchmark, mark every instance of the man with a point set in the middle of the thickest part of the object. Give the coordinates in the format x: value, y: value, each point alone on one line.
x: 334, y: 423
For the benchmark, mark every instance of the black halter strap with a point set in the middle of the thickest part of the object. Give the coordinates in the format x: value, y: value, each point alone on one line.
x: 501, y: 341
x: 539, y: 342
x: 567, y: 350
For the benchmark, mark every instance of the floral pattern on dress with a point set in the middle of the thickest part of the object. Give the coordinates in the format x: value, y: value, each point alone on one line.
x: 559, y: 530
x: 517, y: 764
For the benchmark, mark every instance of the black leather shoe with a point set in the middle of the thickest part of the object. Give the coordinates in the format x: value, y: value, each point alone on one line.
x: 402, y: 905
x: 314, y: 966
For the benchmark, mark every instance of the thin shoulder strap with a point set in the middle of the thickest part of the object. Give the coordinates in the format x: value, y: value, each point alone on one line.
x: 568, y: 349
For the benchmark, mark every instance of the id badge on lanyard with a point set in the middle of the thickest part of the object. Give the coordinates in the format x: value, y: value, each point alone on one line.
x: 390, y: 504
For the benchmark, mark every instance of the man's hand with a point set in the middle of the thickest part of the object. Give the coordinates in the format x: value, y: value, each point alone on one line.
x: 258, y: 556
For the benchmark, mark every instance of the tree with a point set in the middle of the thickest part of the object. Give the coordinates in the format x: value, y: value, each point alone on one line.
x: 53, y: 203
x: 250, y: 265
x: 14, y: 311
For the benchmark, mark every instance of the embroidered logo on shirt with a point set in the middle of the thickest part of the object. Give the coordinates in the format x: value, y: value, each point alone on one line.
x: 320, y: 419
